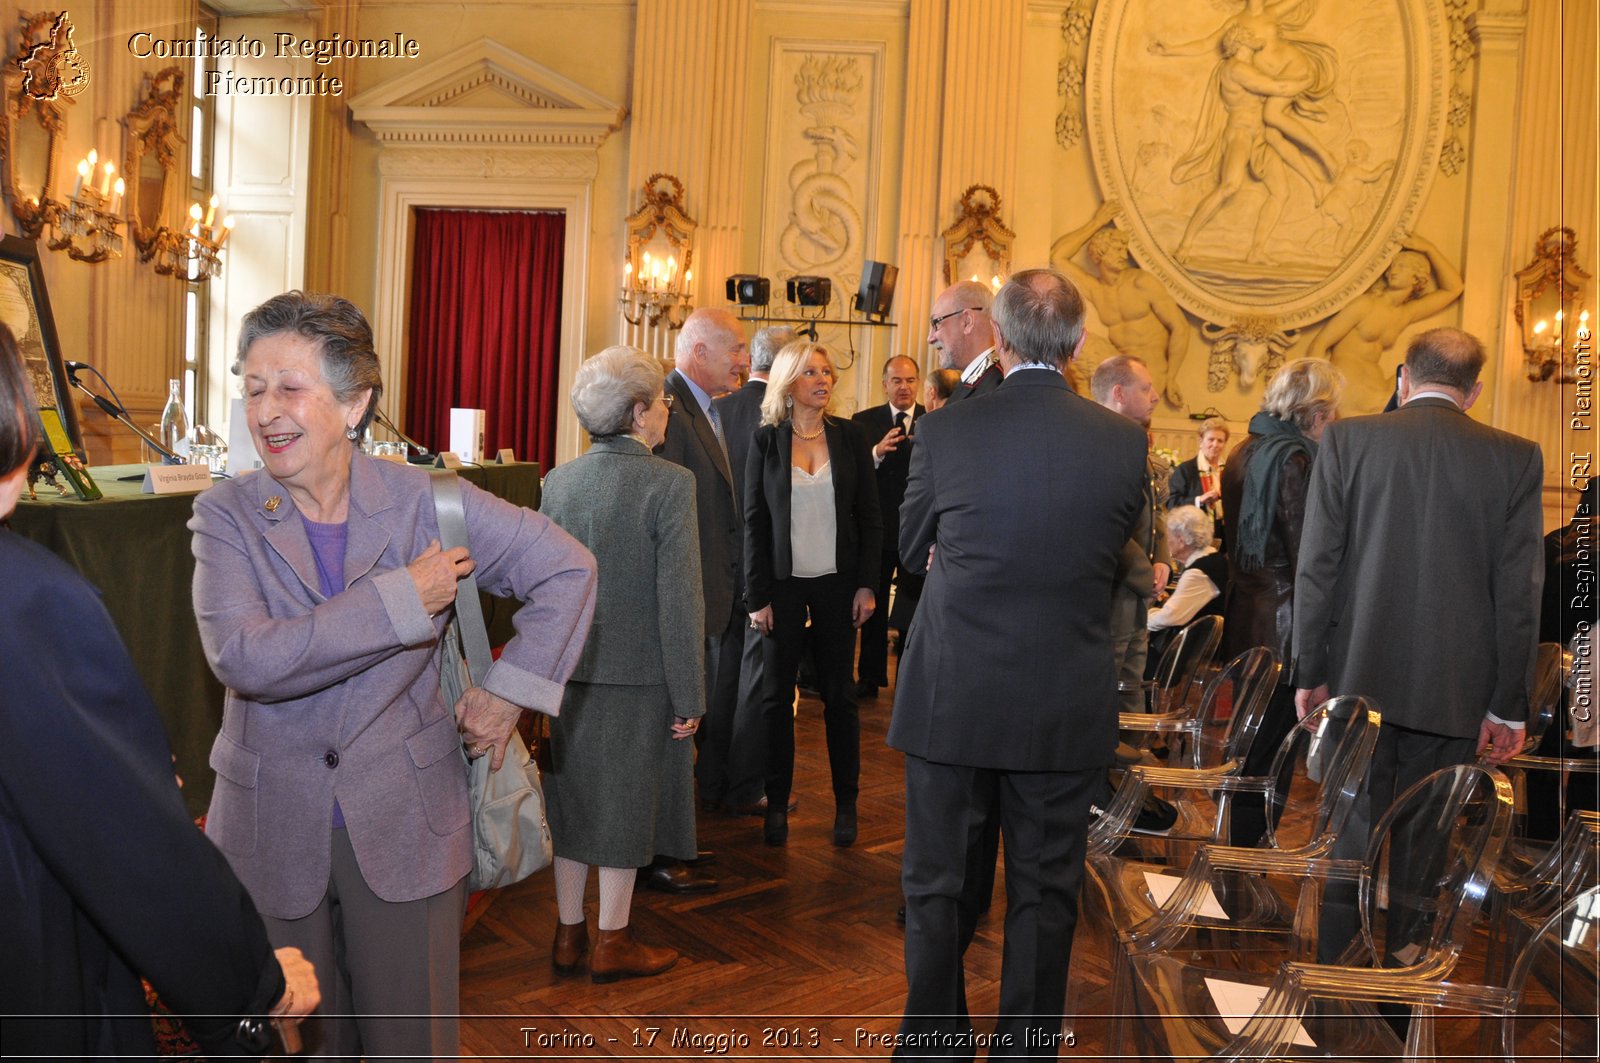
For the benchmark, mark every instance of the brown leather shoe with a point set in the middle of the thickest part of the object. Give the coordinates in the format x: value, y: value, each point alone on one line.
x: 572, y: 941
x: 617, y: 955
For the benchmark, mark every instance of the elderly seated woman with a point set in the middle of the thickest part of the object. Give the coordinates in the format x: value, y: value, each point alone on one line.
x: 1203, y: 579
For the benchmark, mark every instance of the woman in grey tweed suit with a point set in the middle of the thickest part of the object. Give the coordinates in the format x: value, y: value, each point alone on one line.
x: 621, y: 785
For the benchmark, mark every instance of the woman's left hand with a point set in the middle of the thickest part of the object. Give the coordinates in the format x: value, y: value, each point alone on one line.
x: 862, y: 608
x: 486, y: 722
x: 685, y: 727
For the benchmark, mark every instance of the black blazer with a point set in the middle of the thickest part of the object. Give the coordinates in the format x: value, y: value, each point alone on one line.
x: 741, y: 415
x: 103, y: 876
x: 1009, y: 663
x: 987, y: 381
x: 766, y: 508
x: 692, y: 443
x: 875, y: 422
x: 1184, y: 485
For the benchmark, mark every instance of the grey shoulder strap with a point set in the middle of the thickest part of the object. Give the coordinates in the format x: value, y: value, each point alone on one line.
x: 469, y: 609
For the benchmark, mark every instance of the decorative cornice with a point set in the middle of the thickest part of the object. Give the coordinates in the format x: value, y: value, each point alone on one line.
x: 507, y: 160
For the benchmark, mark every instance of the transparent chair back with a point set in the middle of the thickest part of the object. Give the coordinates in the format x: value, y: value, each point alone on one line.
x: 1175, y: 673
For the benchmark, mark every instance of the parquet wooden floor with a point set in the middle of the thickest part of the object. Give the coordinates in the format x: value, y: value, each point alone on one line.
x: 796, y: 955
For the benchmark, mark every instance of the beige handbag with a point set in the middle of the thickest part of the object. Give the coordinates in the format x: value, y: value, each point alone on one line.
x: 510, y: 835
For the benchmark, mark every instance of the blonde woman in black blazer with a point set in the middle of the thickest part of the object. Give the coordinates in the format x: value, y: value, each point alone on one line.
x: 790, y: 574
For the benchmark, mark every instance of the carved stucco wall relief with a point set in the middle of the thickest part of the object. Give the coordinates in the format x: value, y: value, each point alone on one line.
x: 823, y: 122
x: 1268, y: 159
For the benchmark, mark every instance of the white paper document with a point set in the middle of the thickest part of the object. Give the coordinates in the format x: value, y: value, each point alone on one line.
x: 1237, y: 1003
x: 1163, y: 886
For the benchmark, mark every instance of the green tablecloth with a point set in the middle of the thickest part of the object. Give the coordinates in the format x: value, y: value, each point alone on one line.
x: 135, y: 548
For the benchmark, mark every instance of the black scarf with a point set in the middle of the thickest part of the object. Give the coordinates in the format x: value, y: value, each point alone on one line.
x: 1276, y: 441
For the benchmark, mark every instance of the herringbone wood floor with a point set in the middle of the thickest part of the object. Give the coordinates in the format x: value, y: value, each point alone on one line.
x: 796, y: 955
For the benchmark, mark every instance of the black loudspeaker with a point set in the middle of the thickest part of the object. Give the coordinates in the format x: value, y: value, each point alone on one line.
x: 876, y: 294
x: 810, y: 291
x: 747, y: 289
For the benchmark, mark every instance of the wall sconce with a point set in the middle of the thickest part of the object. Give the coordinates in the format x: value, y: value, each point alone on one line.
x: 88, y: 226
x: 33, y: 117
x: 1549, y: 307
x: 660, y: 241
x: 978, y: 224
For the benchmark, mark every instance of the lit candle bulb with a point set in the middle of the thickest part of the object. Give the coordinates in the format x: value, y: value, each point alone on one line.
x: 116, y: 200
x: 93, y: 159
x: 83, y: 175
x: 627, y: 272
x: 688, y: 275
x: 105, y: 181
x: 672, y: 268
x: 227, y: 227
x: 211, y: 212
x: 194, y: 212
x: 994, y: 282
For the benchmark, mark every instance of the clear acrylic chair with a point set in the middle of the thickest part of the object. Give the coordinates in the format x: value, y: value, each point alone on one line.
x: 1543, y: 1009
x: 1225, y: 721
x: 1170, y: 694
x: 1239, y: 914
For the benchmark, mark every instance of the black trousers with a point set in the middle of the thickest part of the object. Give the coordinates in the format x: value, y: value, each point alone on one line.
x: 873, y: 666
x: 1248, y: 820
x: 1401, y: 759
x: 1044, y: 818
x: 826, y: 600
x: 729, y: 765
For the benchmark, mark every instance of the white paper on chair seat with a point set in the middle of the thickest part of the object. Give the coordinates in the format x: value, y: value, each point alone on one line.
x: 1163, y: 886
x: 1237, y: 1003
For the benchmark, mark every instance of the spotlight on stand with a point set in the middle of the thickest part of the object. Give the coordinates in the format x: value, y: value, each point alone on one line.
x: 876, y: 293
x: 810, y: 291
x: 747, y: 289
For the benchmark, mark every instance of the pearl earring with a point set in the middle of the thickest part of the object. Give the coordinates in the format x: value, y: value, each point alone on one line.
x: 351, y: 434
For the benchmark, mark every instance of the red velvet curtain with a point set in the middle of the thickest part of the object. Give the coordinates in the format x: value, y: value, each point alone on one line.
x: 486, y: 327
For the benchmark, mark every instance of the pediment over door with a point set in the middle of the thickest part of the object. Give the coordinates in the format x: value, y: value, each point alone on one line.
x: 484, y: 92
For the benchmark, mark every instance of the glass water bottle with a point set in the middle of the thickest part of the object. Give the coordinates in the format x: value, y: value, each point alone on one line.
x: 175, y: 423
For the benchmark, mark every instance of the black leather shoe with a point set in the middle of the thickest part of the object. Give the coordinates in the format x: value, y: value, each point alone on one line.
x: 866, y: 690
x: 844, y: 827
x: 775, y: 831
x: 705, y: 858
x: 900, y: 915
x: 677, y: 878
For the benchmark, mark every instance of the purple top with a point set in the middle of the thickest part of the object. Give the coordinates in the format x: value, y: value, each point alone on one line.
x: 327, y: 547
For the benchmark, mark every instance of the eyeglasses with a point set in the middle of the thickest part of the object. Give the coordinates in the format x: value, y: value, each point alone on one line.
x: 666, y: 401
x: 935, y: 322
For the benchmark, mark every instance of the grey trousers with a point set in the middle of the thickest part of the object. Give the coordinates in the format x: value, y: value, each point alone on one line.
x: 389, y: 972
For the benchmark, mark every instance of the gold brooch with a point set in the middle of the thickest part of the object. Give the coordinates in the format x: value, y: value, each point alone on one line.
x: 273, y: 503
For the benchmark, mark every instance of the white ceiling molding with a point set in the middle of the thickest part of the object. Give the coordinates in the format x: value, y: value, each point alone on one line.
x: 486, y: 93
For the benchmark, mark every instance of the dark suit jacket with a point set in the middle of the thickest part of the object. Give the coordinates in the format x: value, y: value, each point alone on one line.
x: 103, y: 876
x: 741, y: 415
x: 766, y: 508
x: 875, y: 422
x: 1420, y: 567
x: 692, y: 443
x: 1029, y: 496
x: 987, y: 381
x: 1184, y: 486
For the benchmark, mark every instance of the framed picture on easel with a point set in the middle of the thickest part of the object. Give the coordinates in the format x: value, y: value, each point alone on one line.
x: 25, y: 309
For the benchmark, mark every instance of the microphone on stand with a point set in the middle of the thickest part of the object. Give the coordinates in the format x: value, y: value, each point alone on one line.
x: 116, y: 411
x: 422, y: 457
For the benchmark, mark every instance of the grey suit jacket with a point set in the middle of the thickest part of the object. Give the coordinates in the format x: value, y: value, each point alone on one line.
x: 741, y: 416
x: 692, y: 443
x: 1420, y: 567
x: 338, y: 698
x: 1029, y: 496
x: 636, y: 513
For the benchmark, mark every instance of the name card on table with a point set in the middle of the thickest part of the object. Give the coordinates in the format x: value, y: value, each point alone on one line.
x: 175, y: 479
x: 505, y: 456
x: 448, y: 459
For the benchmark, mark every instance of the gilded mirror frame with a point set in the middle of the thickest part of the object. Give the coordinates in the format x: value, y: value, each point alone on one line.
x: 33, y: 92
x: 152, y: 131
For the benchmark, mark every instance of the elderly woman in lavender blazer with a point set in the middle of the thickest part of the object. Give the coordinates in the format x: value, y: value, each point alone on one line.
x: 321, y: 593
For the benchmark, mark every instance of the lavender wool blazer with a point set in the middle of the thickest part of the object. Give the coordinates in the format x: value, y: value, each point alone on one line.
x: 339, y: 697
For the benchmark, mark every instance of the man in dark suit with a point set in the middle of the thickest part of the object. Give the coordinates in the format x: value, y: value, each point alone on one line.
x: 741, y: 414
x: 710, y: 354
x: 1419, y: 577
x: 960, y: 329
x: 1007, y: 694
x: 889, y: 427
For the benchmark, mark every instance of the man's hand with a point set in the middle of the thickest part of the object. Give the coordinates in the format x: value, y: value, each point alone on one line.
x: 889, y: 443
x: 1307, y: 701
x: 1501, y: 742
x: 486, y: 723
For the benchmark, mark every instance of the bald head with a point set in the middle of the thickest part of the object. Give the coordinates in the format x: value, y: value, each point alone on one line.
x: 960, y: 325
x: 711, y: 350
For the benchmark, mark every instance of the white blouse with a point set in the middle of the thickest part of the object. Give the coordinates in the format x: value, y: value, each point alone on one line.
x: 813, y: 523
